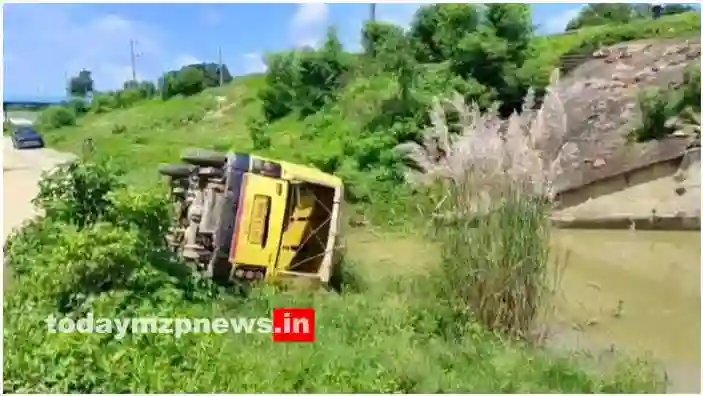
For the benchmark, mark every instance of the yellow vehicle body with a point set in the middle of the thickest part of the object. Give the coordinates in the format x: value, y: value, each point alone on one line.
x: 261, y: 219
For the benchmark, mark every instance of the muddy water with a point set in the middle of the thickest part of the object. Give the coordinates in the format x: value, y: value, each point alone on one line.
x: 636, y: 290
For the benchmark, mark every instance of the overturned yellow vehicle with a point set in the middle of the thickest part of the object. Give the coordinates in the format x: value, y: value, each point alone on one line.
x: 240, y: 216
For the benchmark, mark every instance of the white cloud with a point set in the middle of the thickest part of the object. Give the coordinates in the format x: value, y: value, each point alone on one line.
x: 397, y: 14
x: 48, y: 42
x: 309, y: 24
x: 254, y: 63
x: 557, y: 23
x: 185, y: 60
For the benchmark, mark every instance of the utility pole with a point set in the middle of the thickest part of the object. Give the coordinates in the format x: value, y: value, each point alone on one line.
x: 133, y: 58
x: 68, y: 84
x: 219, y: 68
x: 373, y: 12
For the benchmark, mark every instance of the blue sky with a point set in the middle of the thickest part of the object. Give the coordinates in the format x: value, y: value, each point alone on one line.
x: 44, y: 42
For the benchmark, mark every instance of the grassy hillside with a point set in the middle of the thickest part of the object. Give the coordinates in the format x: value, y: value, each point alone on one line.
x: 155, y: 131
x: 383, y: 334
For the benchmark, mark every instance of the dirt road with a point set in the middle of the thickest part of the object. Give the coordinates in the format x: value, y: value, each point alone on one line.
x: 22, y: 170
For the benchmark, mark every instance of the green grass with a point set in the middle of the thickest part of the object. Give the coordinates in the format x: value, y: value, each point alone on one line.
x: 400, y: 327
x: 154, y: 132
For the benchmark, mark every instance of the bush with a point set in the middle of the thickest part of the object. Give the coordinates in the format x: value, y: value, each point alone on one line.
x: 57, y: 117
x: 79, y: 106
x: 128, y: 97
x: 77, y: 192
x: 104, y: 103
x: 260, y: 137
x: 191, y: 79
x: 663, y: 111
x: 656, y: 110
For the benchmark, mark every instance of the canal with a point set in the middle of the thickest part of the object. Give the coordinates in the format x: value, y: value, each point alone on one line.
x: 637, y: 292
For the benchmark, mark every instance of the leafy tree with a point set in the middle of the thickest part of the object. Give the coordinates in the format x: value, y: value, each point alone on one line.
x: 81, y: 84
x: 388, y: 46
x: 672, y: 9
x: 596, y: 14
x: 303, y: 81
x: 495, y: 54
x: 379, y: 37
x: 212, y: 73
x: 437, y: 29
x: 147, y: 88
x: 130, y: 84
x: 191, y: 81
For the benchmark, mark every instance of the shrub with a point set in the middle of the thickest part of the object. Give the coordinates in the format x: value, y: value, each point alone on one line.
x: 663, y: 111
x: 260, y: 137
x: 104, y: 103
x: 57, y: 117
x: 79, y: 106
x: 655, y: 110
x: 128, y: 97
x: 77, y: 192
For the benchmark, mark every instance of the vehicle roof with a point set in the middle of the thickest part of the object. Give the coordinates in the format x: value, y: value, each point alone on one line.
x: 304, y: 173
x: 25, y: 128
x: 21, y: 122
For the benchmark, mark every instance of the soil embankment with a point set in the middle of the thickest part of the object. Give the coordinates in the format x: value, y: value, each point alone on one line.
x: 665, y: 195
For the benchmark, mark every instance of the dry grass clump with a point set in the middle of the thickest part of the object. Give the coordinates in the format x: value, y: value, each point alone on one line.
x: 497, y: 181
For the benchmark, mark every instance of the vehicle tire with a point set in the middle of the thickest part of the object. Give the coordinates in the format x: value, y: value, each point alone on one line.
x: 202, y: 157
x: 176, y: 171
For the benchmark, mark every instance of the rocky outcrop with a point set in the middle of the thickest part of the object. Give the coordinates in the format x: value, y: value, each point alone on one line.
x: 600, y: 97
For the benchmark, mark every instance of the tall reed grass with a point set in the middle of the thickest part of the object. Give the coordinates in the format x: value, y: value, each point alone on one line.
x: 497, y: 181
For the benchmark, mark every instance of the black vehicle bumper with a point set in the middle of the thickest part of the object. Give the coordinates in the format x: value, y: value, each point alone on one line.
x: 24, y: 144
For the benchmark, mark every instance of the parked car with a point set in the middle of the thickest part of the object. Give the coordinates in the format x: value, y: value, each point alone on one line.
x: 26, y: 137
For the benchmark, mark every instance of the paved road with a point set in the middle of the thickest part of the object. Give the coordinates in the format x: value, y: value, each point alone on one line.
x: 22, y: 170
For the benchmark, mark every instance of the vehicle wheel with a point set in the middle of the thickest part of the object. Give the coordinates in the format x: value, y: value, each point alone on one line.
x: 202, y: 157
x: 176, y: 171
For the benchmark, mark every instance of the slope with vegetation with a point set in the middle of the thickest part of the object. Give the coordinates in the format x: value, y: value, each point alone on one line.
x: 98, y: 247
